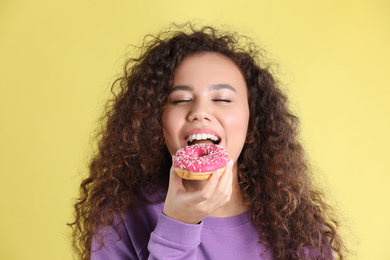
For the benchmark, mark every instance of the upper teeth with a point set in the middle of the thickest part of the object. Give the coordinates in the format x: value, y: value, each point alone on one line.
x: 202, y: 137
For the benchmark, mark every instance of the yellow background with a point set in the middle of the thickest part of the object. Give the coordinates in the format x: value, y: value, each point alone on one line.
x: 58, y: 59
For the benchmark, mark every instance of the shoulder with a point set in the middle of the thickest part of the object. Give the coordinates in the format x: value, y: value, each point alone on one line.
x: 142, y: 217
x: 129, y: 235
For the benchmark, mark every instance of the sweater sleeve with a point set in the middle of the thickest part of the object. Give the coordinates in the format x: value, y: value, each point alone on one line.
x: 174, y: 240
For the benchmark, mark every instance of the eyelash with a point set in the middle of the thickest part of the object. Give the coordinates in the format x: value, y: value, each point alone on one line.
x: 222, y: 100
x: 189, y: 100
x: 181, y: 101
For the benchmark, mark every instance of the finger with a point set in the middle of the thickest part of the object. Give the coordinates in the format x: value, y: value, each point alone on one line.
x: 209, y: 192
x: 209, y: 188
x: 224, y: 188
x: 227, y: 178
x: 175, y: 181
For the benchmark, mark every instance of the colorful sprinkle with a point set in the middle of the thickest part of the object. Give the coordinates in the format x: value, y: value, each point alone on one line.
x: 201, y: 158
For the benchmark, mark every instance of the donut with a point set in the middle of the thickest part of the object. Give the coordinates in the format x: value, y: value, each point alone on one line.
x: 199, y: 161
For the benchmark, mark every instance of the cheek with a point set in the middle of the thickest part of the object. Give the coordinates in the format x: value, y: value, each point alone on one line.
x: 171, y: 128
x: 167, y: 129
x: 238, y: 121
x: 168, y: 119
x: 237, y: 128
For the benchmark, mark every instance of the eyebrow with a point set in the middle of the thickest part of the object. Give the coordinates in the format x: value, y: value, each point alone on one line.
x: 212, y: 87
x: 177, y: 88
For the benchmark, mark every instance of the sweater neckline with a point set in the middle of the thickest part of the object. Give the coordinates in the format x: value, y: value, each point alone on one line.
x: 229, y: 222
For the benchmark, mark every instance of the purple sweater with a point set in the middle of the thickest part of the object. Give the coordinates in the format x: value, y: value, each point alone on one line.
x: 149, y: 234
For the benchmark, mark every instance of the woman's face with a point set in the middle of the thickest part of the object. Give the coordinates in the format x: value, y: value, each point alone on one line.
x: 208, y: 101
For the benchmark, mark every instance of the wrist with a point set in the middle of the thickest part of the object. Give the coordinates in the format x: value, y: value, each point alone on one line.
x: 183, y: 219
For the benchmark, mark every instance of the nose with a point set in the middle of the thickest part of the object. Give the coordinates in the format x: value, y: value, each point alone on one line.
x: 199, y: 111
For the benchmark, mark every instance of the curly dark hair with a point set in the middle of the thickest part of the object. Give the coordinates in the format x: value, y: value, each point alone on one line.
x: 132, y: 162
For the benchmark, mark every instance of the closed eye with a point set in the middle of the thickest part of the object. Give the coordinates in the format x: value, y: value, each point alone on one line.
x: 181, y: 101
x: 222, y: 100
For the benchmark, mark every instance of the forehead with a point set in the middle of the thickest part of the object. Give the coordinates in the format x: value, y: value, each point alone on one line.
x: 207, y: 69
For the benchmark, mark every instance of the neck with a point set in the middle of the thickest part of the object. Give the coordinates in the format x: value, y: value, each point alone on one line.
x: 234, y: 207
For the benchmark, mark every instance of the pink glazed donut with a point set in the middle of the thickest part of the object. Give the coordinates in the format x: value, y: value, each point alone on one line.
x: 199, y: 161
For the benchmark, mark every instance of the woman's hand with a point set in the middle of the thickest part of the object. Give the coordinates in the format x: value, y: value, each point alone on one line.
x: 192, y: 206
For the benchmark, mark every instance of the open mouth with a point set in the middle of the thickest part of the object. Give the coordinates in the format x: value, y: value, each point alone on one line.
x: 203, y: 139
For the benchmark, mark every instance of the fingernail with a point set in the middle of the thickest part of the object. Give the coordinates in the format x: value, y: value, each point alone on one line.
x: 217, y: 173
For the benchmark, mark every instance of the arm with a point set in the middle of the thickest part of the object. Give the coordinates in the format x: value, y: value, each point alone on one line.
x: 174, y: 240
x: 178, y: 231
x: 175, y: 236
x: 170, y: 239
